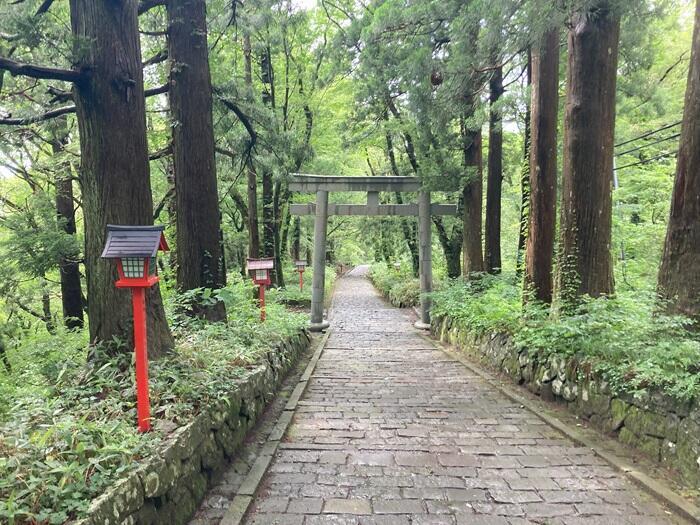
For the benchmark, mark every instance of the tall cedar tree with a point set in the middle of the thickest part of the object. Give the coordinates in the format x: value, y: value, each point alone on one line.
x: 268, y: 205
x: 69, y: 271
x: 525, y: 177
x: 585, y: 265
x: 199, y: 252
x: 115, y: 177
x: 252, y: 176
x: 544, y: 106
x: 495, y: 175
x: 679, y: 276
x: 472, y: 252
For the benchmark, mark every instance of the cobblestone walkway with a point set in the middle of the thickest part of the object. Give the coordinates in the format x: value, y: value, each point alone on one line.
x: 393, y: 431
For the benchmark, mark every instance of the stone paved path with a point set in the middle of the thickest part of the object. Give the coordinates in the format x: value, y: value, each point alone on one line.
x: 393, y: 431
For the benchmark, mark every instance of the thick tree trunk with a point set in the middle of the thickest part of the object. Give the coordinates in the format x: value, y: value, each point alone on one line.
x: 268, y: 215
x: 269, y: 229
x: 4, y: 357
x: 199, y: 253
x: 253, y: 224
x: 296, y: 239
x: 451, y: 247
x: 585, y: 265
x: 525, y: 179
x: 286, y: 226
x: 280, y: 196
x: 495, y: 176
x: 409, y: 231
x: 679, y: 276
x: 473, y: 258
x: 115, y: 177
x: 69, y: 271
x: 410, y: 234
x: 46, y: 314
x: 543, y: 168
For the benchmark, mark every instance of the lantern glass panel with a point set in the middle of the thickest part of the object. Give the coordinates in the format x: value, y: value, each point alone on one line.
x: 260, y: 275
x: 152, y: 268
x: 133, y: 267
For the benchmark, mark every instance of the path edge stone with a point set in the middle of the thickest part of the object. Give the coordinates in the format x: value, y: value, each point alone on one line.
x: 241, y: 503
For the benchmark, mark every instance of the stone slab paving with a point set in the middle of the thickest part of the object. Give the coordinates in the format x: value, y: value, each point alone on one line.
x: 393, y: 431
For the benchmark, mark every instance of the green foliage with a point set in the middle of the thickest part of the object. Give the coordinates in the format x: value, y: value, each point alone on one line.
x: 291, y: 295
x: 484, y: 304
x: 625, y: 338
x: 68, y: 427
x: 399, y: 286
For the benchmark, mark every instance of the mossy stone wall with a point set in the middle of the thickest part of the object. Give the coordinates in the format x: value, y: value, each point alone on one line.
x: 167, y: 489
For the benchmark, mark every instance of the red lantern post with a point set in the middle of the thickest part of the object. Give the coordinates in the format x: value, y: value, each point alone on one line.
x: 259, y: 270
x: 135, y: 249
x: 301, y: 268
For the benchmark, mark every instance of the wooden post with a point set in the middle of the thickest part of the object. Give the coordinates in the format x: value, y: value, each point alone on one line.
x: 319, y: 277
x: 425, y: 258
x: 143, y: 404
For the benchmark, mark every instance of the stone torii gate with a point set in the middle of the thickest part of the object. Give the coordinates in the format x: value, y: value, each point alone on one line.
x: 323, y: 185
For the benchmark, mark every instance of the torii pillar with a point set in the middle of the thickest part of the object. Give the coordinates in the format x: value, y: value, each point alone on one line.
x: 318, y: 324
x: 425, y: 259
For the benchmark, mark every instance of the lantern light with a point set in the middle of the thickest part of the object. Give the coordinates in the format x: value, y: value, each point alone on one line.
x: 135, y: 249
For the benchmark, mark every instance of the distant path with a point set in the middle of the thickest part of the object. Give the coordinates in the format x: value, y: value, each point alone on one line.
x: 393, y: 431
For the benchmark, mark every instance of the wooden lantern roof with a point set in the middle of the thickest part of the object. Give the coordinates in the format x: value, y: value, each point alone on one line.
x: 134, y: 241
x: 267, y: 263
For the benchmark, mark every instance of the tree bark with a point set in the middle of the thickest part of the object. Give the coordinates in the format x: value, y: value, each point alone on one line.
x: 408, y: 230
x: 199, y: 252
x: 473, y: 258
x: 114, y: 176
x: 495, y: 176
x: 525, y: 179
x: 278, y: 211
x: 268, y: 215
x: 71, y: 289
x: 253, y: 225
x: 679, y: 276
x: 451, y: 247
x: 585, y: 265
x: 4, y: 357
x: 268, y: 193
x: 296, y: 239
x: 543, y: 169
x: 46, y: 314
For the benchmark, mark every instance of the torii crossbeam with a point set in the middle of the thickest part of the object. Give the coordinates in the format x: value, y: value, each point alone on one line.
x: 322, y: 185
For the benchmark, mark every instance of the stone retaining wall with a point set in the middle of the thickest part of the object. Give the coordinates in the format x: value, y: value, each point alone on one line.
x: 664, y: 428
x: 167, y: 489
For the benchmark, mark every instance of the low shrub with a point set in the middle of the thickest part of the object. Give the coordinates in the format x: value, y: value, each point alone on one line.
x: 400, y: 287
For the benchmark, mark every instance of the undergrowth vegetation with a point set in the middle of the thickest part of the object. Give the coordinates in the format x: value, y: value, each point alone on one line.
x: 67, y: 427
x: 292, y: 295
x: 396, y: 284
x: 625, y: 338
